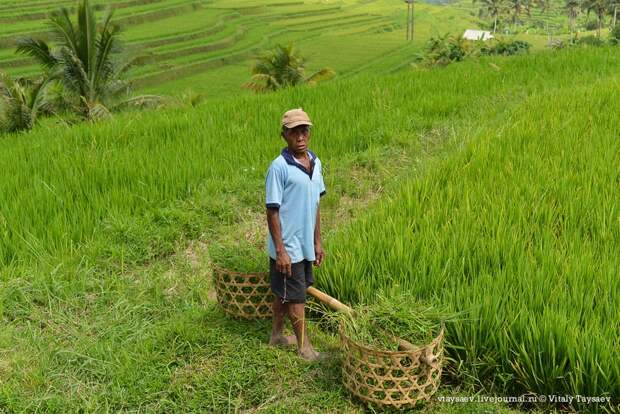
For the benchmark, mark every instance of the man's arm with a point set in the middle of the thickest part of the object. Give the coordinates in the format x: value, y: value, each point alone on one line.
x: 283, y: 260
x: 318, y: 248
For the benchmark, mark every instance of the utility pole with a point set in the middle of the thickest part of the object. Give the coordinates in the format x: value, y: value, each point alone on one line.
x: 409, y: 19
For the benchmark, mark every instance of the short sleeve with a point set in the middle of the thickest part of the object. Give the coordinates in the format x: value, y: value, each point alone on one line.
x: 274, y: 186
x: 322, y: 189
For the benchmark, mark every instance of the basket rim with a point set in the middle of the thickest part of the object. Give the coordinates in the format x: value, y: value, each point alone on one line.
x: 220, y: 271
x: 368, y: 349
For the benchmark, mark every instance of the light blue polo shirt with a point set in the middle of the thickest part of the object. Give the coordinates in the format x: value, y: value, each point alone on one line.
x: 296, y: 193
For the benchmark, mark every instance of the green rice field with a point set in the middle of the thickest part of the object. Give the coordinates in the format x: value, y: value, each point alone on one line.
x: 489, y: 189
x: 188, y: 44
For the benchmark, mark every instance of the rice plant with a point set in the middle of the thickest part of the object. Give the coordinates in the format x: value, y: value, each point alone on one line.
x: 520, y: 229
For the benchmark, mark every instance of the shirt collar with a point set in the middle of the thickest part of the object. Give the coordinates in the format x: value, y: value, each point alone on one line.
x: 290, y: 160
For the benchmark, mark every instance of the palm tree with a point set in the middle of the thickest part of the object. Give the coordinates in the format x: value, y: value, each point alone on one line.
x: 283, y: 67
x: 21, y: 102
x: 86, y: 59
x: 493, y: 9
x: 572, y: 9
x: 516, y: 7
x: 545, y: 6
x: 600, y: 8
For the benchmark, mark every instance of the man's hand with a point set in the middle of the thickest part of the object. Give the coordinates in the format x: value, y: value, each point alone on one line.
x: 319, y: 254
x: 283, y: 263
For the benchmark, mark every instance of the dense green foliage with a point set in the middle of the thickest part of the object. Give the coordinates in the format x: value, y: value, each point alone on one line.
x: 446, y: 49
x: 283, y: 67
x: 443, y: 50
x: 21, y: 102
x: 505, y: 206
x: 614, y: 35
x: 521, y: 229
x: 505, y: 47
x: 86, y: 60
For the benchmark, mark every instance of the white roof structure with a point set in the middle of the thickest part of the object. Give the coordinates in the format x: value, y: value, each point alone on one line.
x: 471, y: 34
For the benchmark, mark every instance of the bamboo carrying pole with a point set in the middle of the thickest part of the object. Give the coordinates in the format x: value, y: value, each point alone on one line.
x: 338, y: 306
x: 333, y: 303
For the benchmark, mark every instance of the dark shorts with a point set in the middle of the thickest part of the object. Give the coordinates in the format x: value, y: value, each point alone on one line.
x: 293, y: 288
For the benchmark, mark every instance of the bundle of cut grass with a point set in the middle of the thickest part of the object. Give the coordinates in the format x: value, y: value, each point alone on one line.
x: 392, y: 317
x: 241, y: 257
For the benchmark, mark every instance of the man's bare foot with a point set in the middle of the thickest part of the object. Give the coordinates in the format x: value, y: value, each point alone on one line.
x: 288, y: 340
x: 311, y: 355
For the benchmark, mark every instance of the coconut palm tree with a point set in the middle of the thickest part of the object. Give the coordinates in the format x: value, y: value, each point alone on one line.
x: 516, y: 8
x: 494, y: 9
x: 283, y: 67
x: 21, y: 102
x: 599, y: 8
x: 86, y: 58
x: 572, y: 10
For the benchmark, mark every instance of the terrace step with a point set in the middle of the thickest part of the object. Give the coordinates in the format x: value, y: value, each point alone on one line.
x: 339, y: 23
x: 178, y: 72
x: 184, y: 37
x: 307, y: 13
x: 44, y: 14
x: 10, y: 40
x: 208, y: 47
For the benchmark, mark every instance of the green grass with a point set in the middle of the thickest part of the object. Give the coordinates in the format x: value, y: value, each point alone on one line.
x: 489, y: 187
x: 372, y: 33
x: 520, y: 230
x: 485, y: 186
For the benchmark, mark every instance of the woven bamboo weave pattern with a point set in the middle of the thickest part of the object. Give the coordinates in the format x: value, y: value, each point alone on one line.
x: 396, y: 379
x: 244, y: 295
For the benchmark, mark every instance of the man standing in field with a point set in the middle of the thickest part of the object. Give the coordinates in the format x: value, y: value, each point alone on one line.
x: 294, y: 187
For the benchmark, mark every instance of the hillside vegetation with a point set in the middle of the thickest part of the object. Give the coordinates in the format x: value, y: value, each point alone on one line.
x: 491, y: 186
x: 208, y: 46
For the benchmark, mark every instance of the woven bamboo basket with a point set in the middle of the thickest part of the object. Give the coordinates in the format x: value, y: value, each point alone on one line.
x: 394, y: 379
x: 244, y: 295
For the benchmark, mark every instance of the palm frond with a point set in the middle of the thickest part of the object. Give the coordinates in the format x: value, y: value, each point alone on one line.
x: 87, y: 37
x: 73, y: 74
x: 38, y: 99
x: 38, y: 49
x: 104, y: 68
x: 63, y: 31
x: 140, y: 101
x: 15, y: 114
x: 97, y: 111
x: 262, y: 82
x: 323, y: 74
x: 255, y: 86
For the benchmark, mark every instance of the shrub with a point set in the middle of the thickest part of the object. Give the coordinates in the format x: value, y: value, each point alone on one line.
x: 558, y: 44
x: 505, y: 47
x: 590, y: 41
x: 443, y: 50
x: 614, y: 35
x: 591, y: 25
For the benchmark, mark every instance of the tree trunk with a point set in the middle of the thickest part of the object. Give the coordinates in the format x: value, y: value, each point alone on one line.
x: 495, y: 24
x: 412, y: 17
x: 408, y: 20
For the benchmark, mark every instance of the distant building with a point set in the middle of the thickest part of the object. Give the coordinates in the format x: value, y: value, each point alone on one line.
x: 477, y: 35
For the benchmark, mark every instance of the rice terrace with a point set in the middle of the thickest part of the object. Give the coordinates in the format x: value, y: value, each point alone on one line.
x: 175, y: 174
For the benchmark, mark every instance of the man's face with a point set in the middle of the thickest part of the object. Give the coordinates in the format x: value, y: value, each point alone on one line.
x: 297, y: 138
